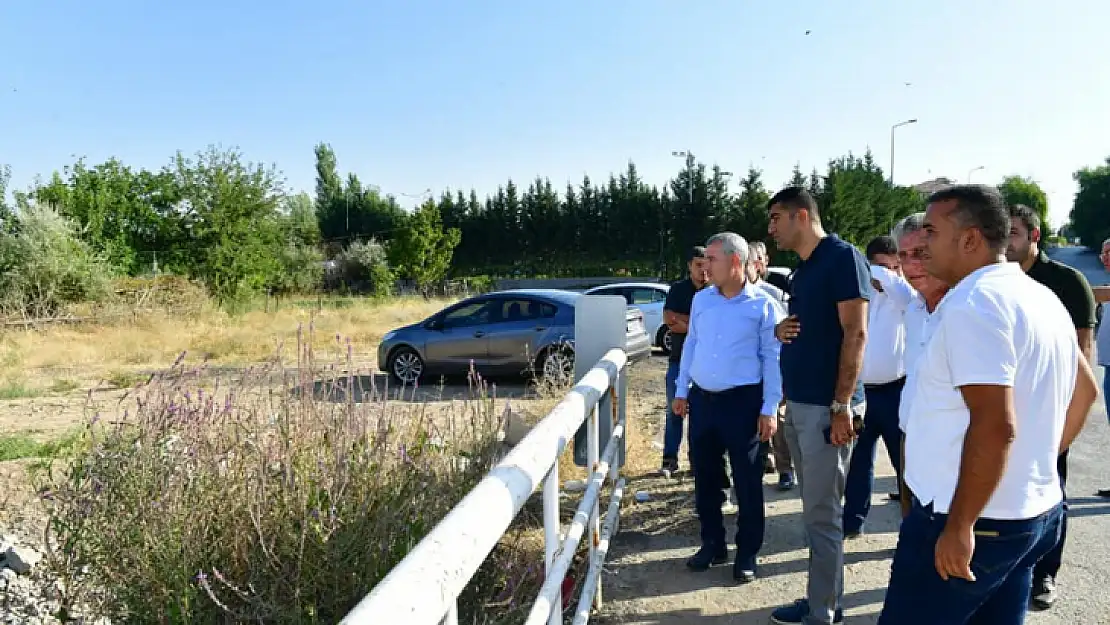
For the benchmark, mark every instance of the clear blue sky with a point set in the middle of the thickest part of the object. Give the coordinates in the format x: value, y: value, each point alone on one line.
x: 466, y: 93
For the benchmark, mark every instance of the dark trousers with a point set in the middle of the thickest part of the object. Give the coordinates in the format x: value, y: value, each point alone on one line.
x: 880, y: 421
x: 720, y: 423
x: 1003, y: 559
x: 1048, y: 566
x: 672, y: 432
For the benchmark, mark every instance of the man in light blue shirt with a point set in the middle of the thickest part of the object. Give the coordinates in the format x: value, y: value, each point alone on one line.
x: 730, y: 385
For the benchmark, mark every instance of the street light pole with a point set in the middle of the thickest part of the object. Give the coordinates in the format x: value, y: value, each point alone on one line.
x: 973, y: 170
x: 686, y: 154
x: 892, y: 129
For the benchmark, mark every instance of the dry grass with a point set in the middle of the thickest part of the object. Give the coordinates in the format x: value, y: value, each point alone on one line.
x: 56, y: 361
x: 38, y: 361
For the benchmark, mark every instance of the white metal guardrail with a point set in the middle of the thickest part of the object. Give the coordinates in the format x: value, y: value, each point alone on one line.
x: 424, y: 588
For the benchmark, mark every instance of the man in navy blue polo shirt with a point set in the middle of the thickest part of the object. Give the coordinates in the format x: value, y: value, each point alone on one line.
x: 822, y: 356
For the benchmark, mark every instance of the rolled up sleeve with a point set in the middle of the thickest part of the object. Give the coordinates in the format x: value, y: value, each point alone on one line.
x: 682, y: 383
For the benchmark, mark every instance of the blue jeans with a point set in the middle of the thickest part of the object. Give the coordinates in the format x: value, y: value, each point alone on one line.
x: 1106, y: 386
x: 720, y: 423
x: 672, y: 434
x: 1005, y: 552
x: 881, y: 421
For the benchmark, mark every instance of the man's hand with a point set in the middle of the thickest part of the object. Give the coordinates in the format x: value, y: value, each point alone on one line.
x: 953, y: 552
x: 767, y: 426
x: 841, y: 431
x: 787, y: 329
x: 680, y: 407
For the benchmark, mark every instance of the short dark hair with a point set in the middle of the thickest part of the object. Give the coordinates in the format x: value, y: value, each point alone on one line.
x: 698, y: 251
x: 981, y: 207
x: 795, y: 198
x: 1027, y: 216
x: 884, y: 244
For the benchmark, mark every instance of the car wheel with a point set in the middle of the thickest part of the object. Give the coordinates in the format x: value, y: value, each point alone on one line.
x: 406, y: 366
x: 665, y: 340
x: 557, y: 366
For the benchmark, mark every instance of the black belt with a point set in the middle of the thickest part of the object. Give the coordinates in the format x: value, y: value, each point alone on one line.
x: 899, y: 382
x: 731, y: 389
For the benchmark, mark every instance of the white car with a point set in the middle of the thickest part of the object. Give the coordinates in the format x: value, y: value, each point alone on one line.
x: 649, y: 298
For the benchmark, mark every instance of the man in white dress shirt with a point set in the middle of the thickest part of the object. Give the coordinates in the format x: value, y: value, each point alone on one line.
x: 729, y: 382
x: 776, y: 452
x: 883, y: 375
x: 999, y: 391
x: 918, y: 293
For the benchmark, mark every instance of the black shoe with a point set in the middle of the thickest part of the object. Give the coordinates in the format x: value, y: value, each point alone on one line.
x: 1105, y: 492
x: 707, y: 557
x: 894, y: 496
x: 1044, y: 594
x: 742, y: 572
x: 786, y: 481
x: 669, y: 468
x: 852, y: 535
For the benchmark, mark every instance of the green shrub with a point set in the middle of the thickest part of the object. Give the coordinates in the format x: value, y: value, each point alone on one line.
x: 477, y: 284
x: 270, y: 505
x: 45, y: 266
x: 364, y: 264
x: 300, y: 270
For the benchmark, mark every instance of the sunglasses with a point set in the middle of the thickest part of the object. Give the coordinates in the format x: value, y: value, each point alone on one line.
x: 916, y: 253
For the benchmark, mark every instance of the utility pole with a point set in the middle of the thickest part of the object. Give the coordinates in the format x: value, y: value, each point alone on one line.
x: 892, y: 128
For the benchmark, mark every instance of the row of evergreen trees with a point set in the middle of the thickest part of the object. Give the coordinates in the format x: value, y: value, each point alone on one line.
x: 620, y: 225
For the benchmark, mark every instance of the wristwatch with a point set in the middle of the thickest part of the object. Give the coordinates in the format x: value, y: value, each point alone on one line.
x: 838, y: 407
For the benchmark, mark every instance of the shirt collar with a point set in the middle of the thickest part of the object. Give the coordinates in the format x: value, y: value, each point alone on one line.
x: 817, y: 249
x: 1004, y: 267
x: 970, y: 280
x: 747, y: 292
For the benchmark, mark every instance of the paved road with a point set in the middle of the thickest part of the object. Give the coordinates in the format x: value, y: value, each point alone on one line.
x: 646, y: 582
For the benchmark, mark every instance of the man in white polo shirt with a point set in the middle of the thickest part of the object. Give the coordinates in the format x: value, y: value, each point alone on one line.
x: 1000, y: 390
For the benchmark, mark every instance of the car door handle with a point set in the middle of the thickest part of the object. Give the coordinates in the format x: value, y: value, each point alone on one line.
x: 540, y: 328
x: 479, y: 333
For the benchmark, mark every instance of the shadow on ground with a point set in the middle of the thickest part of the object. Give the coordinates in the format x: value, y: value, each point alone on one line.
x: 647, y: 581
x: 1087, y: 506
x: 759, y: 615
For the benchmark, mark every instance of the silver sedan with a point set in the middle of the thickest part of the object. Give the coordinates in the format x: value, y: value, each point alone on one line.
x: 505, y: 333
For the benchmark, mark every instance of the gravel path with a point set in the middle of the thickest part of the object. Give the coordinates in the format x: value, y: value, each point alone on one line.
x: 647, y: 583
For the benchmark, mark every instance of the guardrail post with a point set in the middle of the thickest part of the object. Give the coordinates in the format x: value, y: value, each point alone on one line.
x: 551, y: 538
x: 621, y: 385
x: 594, y: 452
x: 600, y: 324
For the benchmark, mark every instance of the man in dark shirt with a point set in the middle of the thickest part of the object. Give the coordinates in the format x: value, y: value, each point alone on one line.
x: 676, y: 314
x: 822, y: 356
x: 1075, y: 293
